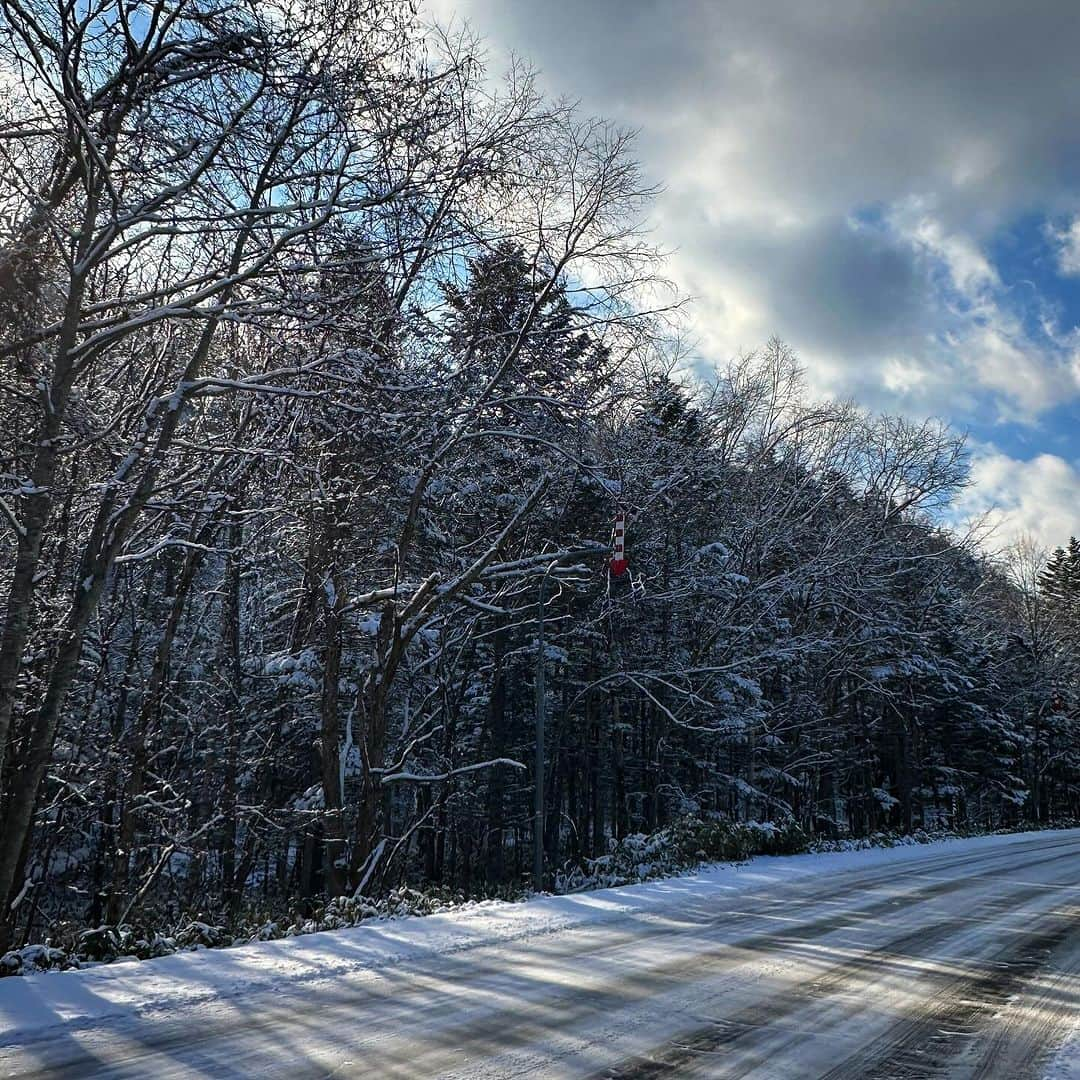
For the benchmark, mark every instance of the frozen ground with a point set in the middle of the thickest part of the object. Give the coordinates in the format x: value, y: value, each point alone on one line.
x: 1066, y: 1063
x: 959, y: 959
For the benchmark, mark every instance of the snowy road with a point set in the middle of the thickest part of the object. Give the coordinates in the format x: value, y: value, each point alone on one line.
x: 954, y: 960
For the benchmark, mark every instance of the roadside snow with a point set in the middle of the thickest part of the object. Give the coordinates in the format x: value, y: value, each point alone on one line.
x: 1066, y: 1062
x: 31, y: 1004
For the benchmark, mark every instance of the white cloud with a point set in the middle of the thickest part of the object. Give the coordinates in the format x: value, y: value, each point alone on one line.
x: 1068, y: 245
x: 834, y: 175
x: 1039, y: 497
x: 969, y: 269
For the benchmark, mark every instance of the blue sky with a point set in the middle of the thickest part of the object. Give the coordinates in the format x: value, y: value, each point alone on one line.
x: 893, y: 189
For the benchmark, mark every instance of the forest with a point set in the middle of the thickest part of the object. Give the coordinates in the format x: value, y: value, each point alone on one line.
x: 328, y: 356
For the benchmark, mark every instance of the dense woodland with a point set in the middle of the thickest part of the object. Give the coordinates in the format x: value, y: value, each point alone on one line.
x: 327, y: 358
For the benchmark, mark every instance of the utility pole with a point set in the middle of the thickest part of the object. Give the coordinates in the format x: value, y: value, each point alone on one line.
x: 538, y: 772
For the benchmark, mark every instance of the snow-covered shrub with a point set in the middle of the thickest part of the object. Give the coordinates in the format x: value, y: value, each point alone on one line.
x: 681, y: 846
x: 341, y: 912
x: 200, y: 935
x: 890, y: 839
x: 106, y: 944
x: 34, y: 958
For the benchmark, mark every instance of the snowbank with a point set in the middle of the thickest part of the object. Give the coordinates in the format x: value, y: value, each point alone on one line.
x: 1066, y: 1063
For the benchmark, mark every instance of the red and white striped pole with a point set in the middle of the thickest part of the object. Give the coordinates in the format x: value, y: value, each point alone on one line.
x: 618, y: 546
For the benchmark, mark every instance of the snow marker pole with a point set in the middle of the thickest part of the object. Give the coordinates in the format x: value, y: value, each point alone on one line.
x: 618, y: 546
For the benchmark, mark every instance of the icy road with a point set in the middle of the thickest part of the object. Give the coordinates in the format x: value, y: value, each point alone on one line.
x: 959, y: 959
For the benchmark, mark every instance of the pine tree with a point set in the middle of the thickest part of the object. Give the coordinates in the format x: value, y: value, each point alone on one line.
x: 1060, y: 586
x: 1059, y: 580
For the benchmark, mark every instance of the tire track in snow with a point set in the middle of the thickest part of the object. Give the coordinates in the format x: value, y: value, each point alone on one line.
x: 691, y: 1051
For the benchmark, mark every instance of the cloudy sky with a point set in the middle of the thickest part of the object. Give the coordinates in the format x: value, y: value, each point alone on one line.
x: 892, y: 188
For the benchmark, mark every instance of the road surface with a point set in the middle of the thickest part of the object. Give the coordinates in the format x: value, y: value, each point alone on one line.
x: 961, y: 963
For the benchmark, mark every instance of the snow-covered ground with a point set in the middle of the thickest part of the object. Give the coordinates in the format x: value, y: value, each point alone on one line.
x: 611, y: 976
x: 1066, y: 1062
x: 35, y: 1002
